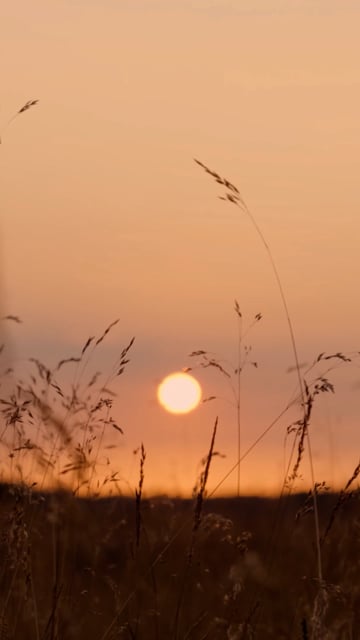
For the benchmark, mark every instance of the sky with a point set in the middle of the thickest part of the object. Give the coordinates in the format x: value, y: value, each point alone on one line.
x: 105, y: 215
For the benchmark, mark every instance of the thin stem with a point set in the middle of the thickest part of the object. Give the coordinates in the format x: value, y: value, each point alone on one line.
x: 238, y: 403
x: 233, y: 195
x: 300, y: 382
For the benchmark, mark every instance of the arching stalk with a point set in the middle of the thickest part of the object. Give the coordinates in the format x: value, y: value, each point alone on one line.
x: 233, y: 196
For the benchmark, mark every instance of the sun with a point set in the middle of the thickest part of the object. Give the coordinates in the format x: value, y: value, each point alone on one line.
x: 179, y: 393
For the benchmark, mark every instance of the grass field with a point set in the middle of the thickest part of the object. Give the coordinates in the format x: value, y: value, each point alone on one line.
x: 76, y: 564
x: 77, y: 568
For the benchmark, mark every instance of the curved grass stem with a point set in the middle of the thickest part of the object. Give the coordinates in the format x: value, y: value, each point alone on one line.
x: 233, y: 196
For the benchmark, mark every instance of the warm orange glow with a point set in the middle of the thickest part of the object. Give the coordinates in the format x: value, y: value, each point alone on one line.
x: 179, y: 393
x: 123, y: 223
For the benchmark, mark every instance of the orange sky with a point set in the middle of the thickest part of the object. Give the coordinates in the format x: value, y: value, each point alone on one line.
x: 104, y: 213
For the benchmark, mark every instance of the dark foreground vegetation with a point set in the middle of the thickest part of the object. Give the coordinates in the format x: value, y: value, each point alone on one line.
x: 115, y: 568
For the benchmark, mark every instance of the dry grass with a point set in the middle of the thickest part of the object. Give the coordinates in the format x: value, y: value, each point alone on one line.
x: 25, y: 107
x: 78, y: 565
x: 70, y: 564
x: 83, y: 566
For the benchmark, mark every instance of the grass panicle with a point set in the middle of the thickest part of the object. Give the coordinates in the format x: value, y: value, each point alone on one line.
x: 28, y: 105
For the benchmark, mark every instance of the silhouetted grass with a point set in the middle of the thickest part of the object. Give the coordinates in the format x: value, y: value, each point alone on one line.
x: 77, y: 564
x: 69, y: 564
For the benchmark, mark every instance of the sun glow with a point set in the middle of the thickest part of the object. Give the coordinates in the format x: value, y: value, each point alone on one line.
x: 179, y: 393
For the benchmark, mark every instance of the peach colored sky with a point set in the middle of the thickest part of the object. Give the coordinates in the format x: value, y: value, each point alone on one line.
x: 105, y: 215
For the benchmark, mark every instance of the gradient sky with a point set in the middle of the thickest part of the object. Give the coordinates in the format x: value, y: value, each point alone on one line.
x: 105, y: 215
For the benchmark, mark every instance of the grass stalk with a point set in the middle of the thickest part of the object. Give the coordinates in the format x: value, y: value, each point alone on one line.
x: 233, y: 196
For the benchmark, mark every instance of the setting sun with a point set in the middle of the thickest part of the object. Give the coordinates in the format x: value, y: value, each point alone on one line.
x: 179, y: 393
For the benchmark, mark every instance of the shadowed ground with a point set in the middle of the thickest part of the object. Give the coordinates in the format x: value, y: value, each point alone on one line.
x: 71, y: 568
